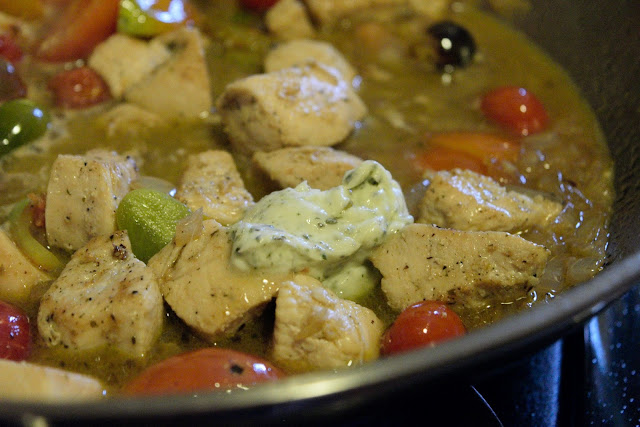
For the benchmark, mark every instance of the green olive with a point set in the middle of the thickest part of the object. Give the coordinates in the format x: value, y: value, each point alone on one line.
x: 150, y: 218
x: 21, y: 121
x: 137, y: 21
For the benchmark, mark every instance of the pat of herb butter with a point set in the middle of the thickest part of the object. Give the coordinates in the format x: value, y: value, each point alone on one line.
x: 327, y: 234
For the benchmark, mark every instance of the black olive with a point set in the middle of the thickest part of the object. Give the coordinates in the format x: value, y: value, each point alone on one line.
x: 454, y: 44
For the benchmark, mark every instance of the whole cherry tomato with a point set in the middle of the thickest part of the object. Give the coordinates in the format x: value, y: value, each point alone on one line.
x: 203, y: 370
x: 423, y: 324
x: 79, y: 88
x: 258, y: 5
x: 516, y: 109
x: 15, y: 333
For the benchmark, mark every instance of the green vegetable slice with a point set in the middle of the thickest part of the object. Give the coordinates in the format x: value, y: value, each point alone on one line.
x: 21, y: 121
x: 150, y: 218
x: 19, y: 224
x: 145, y: 19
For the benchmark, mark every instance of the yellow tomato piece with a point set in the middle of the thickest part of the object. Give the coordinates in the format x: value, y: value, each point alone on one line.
x: 484, y: 146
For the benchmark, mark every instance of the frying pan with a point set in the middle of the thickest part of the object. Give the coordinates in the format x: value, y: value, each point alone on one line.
x: 599, y: 44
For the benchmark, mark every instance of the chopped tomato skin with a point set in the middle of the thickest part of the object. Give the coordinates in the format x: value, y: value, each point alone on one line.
x: 82, y: 25
x: 207, y: 369
x: 79, y: 88
x: 15, y: 334
x: 426, y: 323
x: 516, y: 109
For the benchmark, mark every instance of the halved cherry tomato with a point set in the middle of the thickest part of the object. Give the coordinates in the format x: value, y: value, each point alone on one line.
x: 485, y: 146
x: 516, y: 109
x: 15, y: 334
x: 82, y: 25
x: 9, y: 49
x: 258, y: 5
x: 443, y: 158
x: 203, y: 370
x: 79, y: 88
x: 426, y: 323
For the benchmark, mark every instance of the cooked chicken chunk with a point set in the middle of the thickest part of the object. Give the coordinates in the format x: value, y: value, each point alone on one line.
x: 321, y: 167
x: 18, y: 275
x: 310, y: 105
x: 423, y: 262
x: 200, y: 285
x: 26, y: 381
x: 314, y: 329
x: 298, y: 53
x: 179, y: 89
x: 103, y: 297
x: 150, y: 74
x: 466, y: 200
x: 124, y: 61
x: 128, y: 120
x: 329, y: 11
x: 212, y: 182
x: 83, y: 194
x: 288, y: 20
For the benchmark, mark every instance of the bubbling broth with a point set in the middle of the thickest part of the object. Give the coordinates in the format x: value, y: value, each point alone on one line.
x: 419, y: 114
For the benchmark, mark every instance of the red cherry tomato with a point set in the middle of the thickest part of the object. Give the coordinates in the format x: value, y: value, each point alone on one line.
x: 258, y: 5
x: 9, y: 49
x: 516, y: 109
x: 200, y: 370
x: 15, y: 334
x: 79, y: 88
x: 80, y: 27
x: 423, y: 324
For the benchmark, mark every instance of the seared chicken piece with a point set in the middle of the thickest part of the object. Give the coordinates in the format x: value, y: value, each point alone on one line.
x: 103, y: 297
x: 18, y: 275
x: 124, y: 61
x: 314, y: 329
x: 200, y: 285
x: 321, y: 167
x: 212, y: 182
x: 423, y: 262
x: 298, y: 53
x: 288, y: 20
x: 150, y: 74
x: 466, y: 200
x: 329, y: 11
x: 128, y: 120
x: 29, y: 382
x: 179, y: 89
x: 83, y: 194
x: 309, y: 105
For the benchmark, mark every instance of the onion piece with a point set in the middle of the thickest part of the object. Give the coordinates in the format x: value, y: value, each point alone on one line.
x: 19, y: 223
